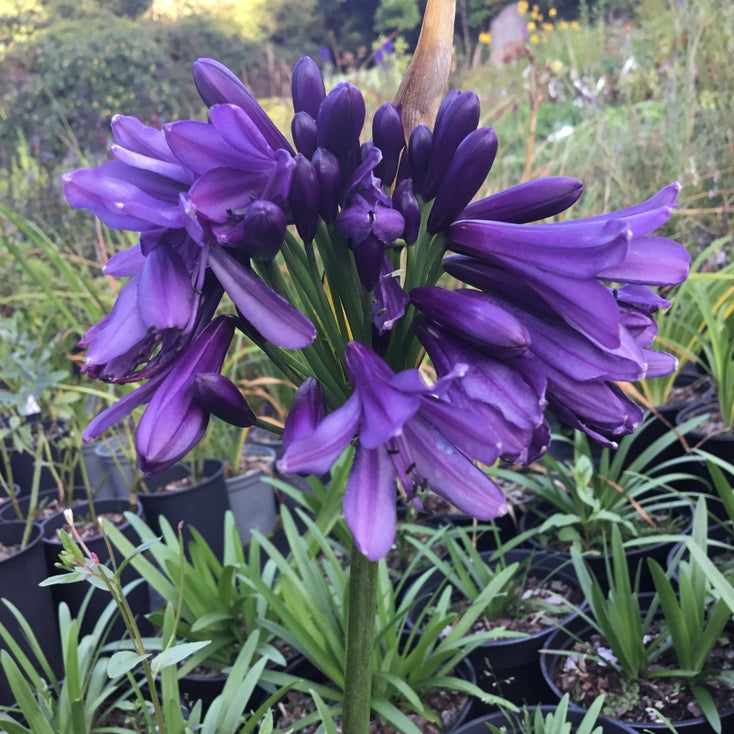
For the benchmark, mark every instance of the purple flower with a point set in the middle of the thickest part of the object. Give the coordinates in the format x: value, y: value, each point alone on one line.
x: 505, y: 392
x: 218, y: 85
x: 339, y: 123
x: 389, y: 299
x: 465, y: 174
x: 368, y: 220
x: 388, y: 136
x: 181, y: 400
x: 457, y: 116
x: 552, y: 278
x: 404, y: 428
x: 235, y: 166
x: 307, y: 87
x: 527, y: 202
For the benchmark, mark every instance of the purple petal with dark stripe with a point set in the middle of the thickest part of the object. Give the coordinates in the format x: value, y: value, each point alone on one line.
x: 369, y: 502
x: 274, y: 318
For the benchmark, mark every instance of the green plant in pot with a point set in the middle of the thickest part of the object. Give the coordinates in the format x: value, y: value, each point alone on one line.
x: 560, y: 719
x: 576, y: 503
x: 75, y: 702
x: 656, y: 656
x: 712, y: 299
x: 214, y: 602
x: 535, y: 595
x: 154, y: 701
x: 415, y: 667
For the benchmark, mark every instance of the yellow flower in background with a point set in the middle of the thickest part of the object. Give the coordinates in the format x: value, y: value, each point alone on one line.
x: 485, y: 38
x: 574, y: 25
x: 522, y: 7
x: 548, y: 27
x: 552, y: 12
x: 534, y: 39
x: 563, y: 25
x: 531, y: 25
x: 556, y: 67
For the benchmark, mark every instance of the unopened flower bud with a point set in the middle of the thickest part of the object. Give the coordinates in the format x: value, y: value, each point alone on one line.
x: 329, y: 176
x: 264, y: 226
x: 527, y: 202
x: 220, y: 397
x: 307, y: 87
x: 388, y: 136
x: 305, y: 198
x: 404, y: 201
x: 466, y: 173
x: 457, y: 117
x: 339, y: 123
x: 303, y: 129
x: 419, y: 155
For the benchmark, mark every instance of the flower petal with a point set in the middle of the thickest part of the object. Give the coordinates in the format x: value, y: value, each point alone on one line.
x: 274, y: 318
x: 451, y: 474
x: 369, y: 502
x: 315, y: 452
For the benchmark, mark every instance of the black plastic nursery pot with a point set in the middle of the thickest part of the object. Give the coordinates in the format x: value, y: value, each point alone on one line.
x: 561, y: 640
x: 697, y: 386
x: 20, y: 576
x: 301, y: 667
x: 597, y: 562
x: 201, y: 505
x: 74, y: 594
x: 718, y: 444
x: 8, y: 513
x: 574, y: 717
x: 510, y: 667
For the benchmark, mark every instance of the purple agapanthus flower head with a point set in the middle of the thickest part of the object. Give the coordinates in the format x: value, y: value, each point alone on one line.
x: 334, y: 256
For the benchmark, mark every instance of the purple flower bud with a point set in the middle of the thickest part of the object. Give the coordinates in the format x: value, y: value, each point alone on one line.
x: 304, y: 198
x: 307, y: 87
x: 527, y: 202
x: 329, y: 176
x: 458, y: 115
x: 419, y: 156
x: 475, y: 317
x: 221, y: 398
x: 264, y: 226
x: 368, y: 256
x: 339, y: 123
x: 405, y: 202
x: 307, y: 411
x: 388, y: 136
x: 466, y: 173
x: 303, y: 129
x: 218, y: 85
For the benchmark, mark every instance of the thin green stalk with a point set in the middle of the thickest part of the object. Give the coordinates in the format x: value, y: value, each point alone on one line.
x: 316, y: 277
x: 345, y: 287
x: 360, y: 634
x: 304, y: 270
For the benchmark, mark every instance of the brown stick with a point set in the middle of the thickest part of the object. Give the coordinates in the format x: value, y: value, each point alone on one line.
x: 425, y: 80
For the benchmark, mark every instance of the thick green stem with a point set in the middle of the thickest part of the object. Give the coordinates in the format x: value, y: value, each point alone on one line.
x: 360, y: 633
